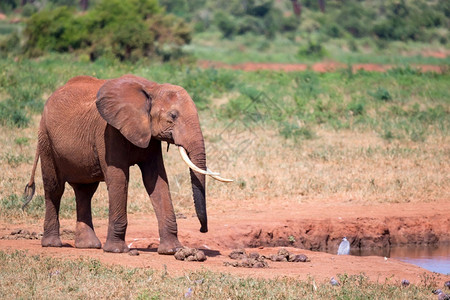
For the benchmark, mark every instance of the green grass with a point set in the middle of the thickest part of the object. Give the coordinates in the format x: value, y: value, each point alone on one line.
x: 253, y: 48
x: 401, y: 103
x: 27, y: 276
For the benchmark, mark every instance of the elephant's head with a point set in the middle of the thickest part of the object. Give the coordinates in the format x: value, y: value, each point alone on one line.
x: 143, y: 110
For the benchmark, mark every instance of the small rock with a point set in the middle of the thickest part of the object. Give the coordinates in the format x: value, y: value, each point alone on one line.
x: 260, y: 264
x: 190, y: 254
x: 405, y: 282
x: 200, y: 256
x: 276, y: 257
x: 237, y: 254
x: 179, y: 255
x: 190, y: 258
x: 283, y: 252
x: 254, y: 255
x: 301, y: 258
x: 133, y: 252
x: 16, y: 231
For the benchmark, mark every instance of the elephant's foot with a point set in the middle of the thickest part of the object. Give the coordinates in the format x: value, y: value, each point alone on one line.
x: 169, y: 247
x: 115, y: 247
x: 51, y: 241
x: 85, y: 237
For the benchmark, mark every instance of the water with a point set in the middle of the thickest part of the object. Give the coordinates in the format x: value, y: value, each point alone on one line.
x: 432, y: 258
x: 436, y: 259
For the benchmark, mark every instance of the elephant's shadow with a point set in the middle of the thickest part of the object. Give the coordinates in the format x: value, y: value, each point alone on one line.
x: 208, y: 252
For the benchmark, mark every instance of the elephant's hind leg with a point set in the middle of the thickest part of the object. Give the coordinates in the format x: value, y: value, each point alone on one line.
x: 53, y: 189
x: 84, y: 234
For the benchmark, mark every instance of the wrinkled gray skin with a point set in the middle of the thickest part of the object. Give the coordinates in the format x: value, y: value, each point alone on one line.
x: 93, y: 130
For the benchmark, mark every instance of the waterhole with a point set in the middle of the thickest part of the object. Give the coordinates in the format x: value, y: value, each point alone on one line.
x: 435, y: 258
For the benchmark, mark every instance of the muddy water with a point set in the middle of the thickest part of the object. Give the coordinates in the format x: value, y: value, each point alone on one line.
x: 432, y: 258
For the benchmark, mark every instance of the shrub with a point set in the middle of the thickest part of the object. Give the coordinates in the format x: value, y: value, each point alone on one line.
x: 225, y: 23
x: 381, y: 94
x: 127, y: 30
x: 295, y: 131
x: 313, y: 49
x: 356, y: 108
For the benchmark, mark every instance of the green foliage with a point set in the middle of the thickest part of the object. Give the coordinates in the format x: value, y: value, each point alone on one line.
x: 127, y: 30
x: 28, y: 10
x: 225, y: 24
x: 381, y: 94
x: 8, y: 5
x: 313, y: 49
x: 356, y: 108
x: 13, y: 114
x: 255, y: 17
x: 407, y: 20
x: 203, y: 84
x: 295, y: 131
x: 55, y: 30
x: 385, y: 20
x: 11, y: 206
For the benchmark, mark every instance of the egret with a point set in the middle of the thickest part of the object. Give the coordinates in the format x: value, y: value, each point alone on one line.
x: 344, y: 247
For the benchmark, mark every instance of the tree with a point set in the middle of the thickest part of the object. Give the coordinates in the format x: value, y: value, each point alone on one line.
x: 84, y: 4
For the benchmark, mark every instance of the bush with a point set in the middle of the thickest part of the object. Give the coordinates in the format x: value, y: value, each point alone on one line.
x: 127, y: 30
x: 408, y: 20
x: 225, y: 24
x: 313, y: 49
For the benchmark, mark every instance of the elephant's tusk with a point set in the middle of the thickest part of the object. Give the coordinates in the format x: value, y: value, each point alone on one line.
x: 217, y: 177
x: 191, y: 165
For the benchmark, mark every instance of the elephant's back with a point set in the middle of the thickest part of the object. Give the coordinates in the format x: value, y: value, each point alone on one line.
x: 76, y: 93
x: 73, y: 100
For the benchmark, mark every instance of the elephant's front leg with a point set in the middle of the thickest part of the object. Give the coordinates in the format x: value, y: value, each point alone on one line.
x: 156, y: 184
x: 117, y: 183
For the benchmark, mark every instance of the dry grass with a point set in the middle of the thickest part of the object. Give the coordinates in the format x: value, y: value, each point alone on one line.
x: 38, y: 277
x: 339, y: 166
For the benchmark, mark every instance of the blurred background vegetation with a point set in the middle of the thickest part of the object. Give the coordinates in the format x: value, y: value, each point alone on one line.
x: 133, y: 29
x: 107, y: 38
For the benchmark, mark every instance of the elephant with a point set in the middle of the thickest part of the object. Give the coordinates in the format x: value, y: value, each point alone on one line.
x: 93, y: 130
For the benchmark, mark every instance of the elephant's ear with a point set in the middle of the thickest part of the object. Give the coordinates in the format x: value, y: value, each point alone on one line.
x: 125, y: 104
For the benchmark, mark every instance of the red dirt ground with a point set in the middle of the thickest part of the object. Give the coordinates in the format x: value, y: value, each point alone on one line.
x: 322, y: 67
x: 267, y: 229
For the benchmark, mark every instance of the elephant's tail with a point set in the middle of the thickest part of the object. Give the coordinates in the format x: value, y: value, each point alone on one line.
x: 30, y: 187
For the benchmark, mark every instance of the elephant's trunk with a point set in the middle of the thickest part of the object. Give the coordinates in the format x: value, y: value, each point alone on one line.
x: 197, y: 154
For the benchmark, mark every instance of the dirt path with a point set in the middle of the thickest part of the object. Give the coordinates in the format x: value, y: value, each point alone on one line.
x: 266, y: 230
x: 322, y: 67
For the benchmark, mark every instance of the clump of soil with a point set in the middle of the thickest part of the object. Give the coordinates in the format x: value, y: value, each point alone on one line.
x: 244, y: 260
x: 190, y: 254
x: 133, y: 252
x: 284, y: 255
x: 22, y: 234
x: 255, y: 260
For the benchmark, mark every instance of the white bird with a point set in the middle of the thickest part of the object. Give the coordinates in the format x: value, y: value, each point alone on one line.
x: 334, y: 282
x: 344, y: 247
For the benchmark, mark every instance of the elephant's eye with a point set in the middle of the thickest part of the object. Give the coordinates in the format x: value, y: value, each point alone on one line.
x: 173, y: 115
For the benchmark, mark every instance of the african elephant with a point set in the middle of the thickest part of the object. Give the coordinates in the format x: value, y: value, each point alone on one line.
x: 93, y: 130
